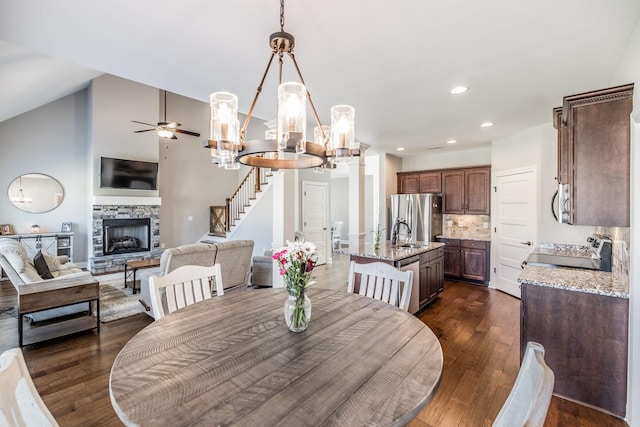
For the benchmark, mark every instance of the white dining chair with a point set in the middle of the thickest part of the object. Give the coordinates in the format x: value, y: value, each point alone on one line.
x: 382, y: 282
x: 20, y: 402
x: 336, y: 235
x: 183, y: 286
x: 528, y: 401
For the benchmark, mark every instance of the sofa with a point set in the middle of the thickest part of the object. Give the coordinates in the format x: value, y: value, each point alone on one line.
x: 234, y: 257
x: 50, y: 289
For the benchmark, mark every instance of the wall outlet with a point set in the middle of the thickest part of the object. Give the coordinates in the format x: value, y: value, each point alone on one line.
x: 485, y: 225
x: 189, y: 218
x: 162, y: 245
x: 460, y: 223
x: 449, y: 223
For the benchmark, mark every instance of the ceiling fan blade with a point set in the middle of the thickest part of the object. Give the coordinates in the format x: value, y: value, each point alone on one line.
x: 187, y: 132
x: 144, y: 130
x: 143, y: 123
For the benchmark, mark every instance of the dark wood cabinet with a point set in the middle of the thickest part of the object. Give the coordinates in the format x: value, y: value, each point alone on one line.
x: 408, y: 183
x: 466, y: 259
x: 585, y: 340
x: 431, y: 182
x: 594, y: 142
x: 431, y: 275
x: 419, y: 182
x: 466, y: 191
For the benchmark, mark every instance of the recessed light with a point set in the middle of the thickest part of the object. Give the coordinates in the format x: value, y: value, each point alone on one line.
x: 458, y: 90
x: 486, y: 124
x: 451, y: 141
x: 400, y: 149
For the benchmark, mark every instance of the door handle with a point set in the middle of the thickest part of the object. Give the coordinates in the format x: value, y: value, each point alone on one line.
x: 526, y: 243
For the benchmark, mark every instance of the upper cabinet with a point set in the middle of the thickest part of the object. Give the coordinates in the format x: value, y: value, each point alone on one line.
x: 464, y: 190
x: 467, y: 191
x: 594, y: 156
x: 419, y: 182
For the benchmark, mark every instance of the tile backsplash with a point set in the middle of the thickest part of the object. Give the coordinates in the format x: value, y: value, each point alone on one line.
x: 467, y: 226
x: 620, y: 238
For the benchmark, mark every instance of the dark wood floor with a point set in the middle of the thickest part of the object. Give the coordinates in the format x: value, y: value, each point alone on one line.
x: 478, y: 329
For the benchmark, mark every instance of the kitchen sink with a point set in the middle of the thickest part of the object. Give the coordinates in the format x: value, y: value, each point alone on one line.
x: 409, y: 246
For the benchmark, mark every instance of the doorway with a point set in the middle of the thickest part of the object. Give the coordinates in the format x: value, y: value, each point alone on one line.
x: 515, y: 227
x: 315, y: 214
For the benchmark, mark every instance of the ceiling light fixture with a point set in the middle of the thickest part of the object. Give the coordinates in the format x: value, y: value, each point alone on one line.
x: 451, y: 141
x: 486, y: 124
x: 458, y: 90
x: 400, y: 149
x: 288, y: 148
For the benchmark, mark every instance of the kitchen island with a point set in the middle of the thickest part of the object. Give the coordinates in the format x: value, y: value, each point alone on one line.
x: 581, y: 318
x: 425, y: 259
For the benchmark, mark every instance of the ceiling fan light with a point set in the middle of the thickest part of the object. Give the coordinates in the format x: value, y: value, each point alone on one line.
x: 165, y: 133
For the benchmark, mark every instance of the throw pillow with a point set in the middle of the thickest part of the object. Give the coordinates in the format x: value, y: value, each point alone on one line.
x: 41, y: 266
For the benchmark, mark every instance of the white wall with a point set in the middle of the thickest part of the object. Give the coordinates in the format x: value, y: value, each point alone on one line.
x: 538, y: 147
x: 478, y: 156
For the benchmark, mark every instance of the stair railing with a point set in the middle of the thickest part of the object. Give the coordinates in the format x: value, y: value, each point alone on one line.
x: 246, y: 191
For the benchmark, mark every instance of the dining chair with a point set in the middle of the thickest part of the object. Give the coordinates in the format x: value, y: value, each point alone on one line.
x: 20, y: 402
x: 529, y: 399
x: 336, y: 234
x: 183, y: 286
x: 382, y: 282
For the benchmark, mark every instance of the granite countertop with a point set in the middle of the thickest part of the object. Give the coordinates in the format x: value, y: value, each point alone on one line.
x: 387, y: 252
x: 575, y: 279
x: 480, y: 239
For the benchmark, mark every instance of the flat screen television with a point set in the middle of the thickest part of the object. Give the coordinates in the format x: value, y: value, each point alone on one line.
x: 131, y: 174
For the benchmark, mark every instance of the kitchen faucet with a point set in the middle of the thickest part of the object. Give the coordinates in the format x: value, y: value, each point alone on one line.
x: 394, y: 231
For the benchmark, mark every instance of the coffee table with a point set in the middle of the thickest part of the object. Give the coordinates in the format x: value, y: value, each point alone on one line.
x: 135, y: 266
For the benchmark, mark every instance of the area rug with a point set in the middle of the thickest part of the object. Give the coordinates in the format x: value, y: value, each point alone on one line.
x: 116, y: 301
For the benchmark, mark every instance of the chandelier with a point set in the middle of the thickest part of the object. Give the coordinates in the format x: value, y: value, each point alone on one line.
x: 284, y: 147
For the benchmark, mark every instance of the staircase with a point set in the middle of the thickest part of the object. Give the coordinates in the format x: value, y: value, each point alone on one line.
x: 227, y: 218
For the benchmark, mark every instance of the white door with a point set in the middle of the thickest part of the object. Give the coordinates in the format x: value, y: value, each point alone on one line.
x: 514, y: 225
x: 315, y: 216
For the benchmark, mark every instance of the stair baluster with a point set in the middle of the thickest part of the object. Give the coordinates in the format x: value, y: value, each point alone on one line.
x: 246, y: 191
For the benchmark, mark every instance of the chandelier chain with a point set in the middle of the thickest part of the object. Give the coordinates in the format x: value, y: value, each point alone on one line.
x: 281, y: 15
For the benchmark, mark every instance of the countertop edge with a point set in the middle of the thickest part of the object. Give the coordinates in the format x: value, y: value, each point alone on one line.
x: 571, y: 279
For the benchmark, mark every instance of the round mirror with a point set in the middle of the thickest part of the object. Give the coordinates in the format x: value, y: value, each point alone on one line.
x: 35, y: 193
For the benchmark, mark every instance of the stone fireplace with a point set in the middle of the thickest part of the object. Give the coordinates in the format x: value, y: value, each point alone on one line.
x: 121, y: 233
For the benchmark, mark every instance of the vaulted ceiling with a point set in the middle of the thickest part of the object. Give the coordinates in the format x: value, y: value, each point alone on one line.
x: 395, y: 62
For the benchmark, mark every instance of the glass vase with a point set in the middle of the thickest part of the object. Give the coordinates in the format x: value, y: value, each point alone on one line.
x: 297, y: 311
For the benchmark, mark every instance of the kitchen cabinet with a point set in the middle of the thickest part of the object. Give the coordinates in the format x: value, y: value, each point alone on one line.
x: 419, y: 182
x: 466, y: 259
x: 594, y: 155
x: 585, y: 338
x: 466, y: 191
x: 431, y: 280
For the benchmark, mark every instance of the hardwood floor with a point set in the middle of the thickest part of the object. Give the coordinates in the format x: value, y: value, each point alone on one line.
x: 478, y: 329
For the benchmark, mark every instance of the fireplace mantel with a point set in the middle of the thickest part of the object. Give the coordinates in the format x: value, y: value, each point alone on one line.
x: 127, y: 201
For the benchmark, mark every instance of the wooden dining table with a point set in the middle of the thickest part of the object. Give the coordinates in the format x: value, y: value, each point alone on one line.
x: 231, y: 360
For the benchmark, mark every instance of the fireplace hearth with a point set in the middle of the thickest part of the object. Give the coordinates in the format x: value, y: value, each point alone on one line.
x: 126, y: 235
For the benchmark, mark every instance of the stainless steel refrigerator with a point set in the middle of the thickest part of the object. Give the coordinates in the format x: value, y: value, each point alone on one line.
x: 422, y: 213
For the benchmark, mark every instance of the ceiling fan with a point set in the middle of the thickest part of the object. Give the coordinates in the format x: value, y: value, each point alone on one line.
x: 165, y: 129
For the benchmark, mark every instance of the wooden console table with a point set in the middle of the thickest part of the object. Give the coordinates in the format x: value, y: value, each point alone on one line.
x: 135, y: 266
x: 39, y: 296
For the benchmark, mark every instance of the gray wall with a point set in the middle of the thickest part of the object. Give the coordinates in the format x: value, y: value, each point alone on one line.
x: 51, y: 140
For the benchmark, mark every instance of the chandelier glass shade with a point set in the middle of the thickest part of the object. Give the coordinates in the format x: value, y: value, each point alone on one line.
x: 286, y: 147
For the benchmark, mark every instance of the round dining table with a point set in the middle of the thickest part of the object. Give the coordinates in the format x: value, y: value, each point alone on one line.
x: 231, y: 360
